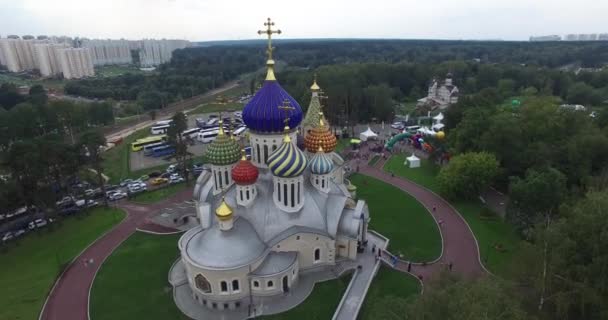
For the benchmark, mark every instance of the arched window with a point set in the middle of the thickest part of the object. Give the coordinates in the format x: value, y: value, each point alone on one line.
x: 293, y: 195
x: 227, y: 177
x: 235, y: 285
x: 202, y: 283
x: 279, y: 190
x: 270, y: 284
x: 265, y: 153
x: 258, y: 158
x: 224, y: 286
x: 299, y: 192
x: 247, y: 194
x: 241, y: 194
x: 322, y: 183
x: 256, y: 284
x: 285, y: 194
x: 317, y: 254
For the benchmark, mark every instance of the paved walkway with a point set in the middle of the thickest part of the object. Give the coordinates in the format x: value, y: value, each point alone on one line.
x: 69, y: 298
x: 459, y: 244
x: 460, y: 248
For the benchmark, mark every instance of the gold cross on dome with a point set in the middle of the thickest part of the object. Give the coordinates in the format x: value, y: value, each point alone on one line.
x: 269, y: 24
x: 286, y: 107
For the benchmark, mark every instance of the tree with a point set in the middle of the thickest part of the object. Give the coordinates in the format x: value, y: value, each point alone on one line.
x: 467, y: 175
x: 9, y: 97
x: 91, y: 144
x: 150, y: 100
x: 38, y: 95
x: 176, y: 139
x: 449, y: 298
x: 580, y: 93
x: 535, y: 198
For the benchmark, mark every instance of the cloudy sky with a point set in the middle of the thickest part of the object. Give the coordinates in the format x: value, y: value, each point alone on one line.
x: 201, y: 20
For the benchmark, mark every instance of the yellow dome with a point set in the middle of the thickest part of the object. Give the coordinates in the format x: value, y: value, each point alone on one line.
x: 223, y: 212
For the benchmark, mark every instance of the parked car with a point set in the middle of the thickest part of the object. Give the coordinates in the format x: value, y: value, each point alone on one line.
x: 145, y: 177
x: 176, y: 178
x: 117, y: 195
x: 86, y: 204
x: 172, y: 168
x: 8, y: 236
x: 166, y: 175
x: 38, y: 223
x: 69, y: 210
x: 125, y: 182
x: 66, y: 201
x: 197, y: 168
x: 92, y: 193
x: 159, y: 181
x: 20, y: 232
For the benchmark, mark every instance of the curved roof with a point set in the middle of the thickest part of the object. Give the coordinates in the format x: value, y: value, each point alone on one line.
x: 287, y: 161
x: 320, y: 163
x: 223, y: 150
x: 262, y: 113
x: 217, y: 249
x: 320, y: 136
x: 276, y: 262
x: 245, y: 173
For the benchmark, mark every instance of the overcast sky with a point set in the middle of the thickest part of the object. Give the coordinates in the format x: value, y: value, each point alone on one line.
x: 201, y: 20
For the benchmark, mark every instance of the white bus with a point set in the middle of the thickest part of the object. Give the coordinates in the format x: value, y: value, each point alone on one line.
x: 192, y: 133
x: 206, y: 136
x: 163, y: 122
x: 212, y: 121
x: 162, y: 129
x: 239, y: 131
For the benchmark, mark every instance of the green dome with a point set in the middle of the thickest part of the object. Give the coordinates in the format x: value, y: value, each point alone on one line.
x: 223, y: 150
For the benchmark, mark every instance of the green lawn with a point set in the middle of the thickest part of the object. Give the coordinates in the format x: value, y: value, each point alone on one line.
x: 132, y: 282
x: 388, y: 282
x: 372, y: 162
x: 159, y: 194
x: 401, y: 218
x: 116, y: 160
x: 342, y: 144
x: 320, y: 305
x: 29, y: 267
x: 216, y: 107
x: 116, y: 70
x: 489, y: 231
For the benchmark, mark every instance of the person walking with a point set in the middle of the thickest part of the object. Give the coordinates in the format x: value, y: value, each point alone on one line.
x: 450, y: 266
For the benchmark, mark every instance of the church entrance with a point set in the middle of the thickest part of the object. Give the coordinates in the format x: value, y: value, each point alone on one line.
x: 285, y: 284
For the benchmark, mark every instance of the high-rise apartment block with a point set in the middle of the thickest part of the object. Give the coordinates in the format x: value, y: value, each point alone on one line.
x: 74, y: 58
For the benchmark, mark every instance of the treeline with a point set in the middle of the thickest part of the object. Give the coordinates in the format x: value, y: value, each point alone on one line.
x: 193, y: 71
x: 43, y: 147
x: 361, y: 92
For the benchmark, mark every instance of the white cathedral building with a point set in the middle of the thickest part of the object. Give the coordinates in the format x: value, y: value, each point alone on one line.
x: 264, y: 221
x: 440, y: 94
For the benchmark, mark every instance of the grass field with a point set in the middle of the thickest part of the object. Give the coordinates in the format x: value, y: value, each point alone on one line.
x: 387, y: 283
x: 159, y: 194
x: 320, y: 305
x: 488, y: 231
x: 401, y: 218
x: 23, y: 81
x: 216, y: 107
x: 119, y: 293
x: 116, y: 160
x: 30, y: 266
x: 116, y: 70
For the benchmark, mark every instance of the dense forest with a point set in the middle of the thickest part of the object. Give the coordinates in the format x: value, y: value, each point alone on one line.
x: 196, y: 70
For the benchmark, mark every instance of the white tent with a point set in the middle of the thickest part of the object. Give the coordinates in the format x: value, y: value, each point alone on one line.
x: 438, y: 117
x: 413, y: 161
x: 367, y: 134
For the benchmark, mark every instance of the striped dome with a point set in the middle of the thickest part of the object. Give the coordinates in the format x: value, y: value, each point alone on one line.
x: 321, y: 163
x: 223, y: 150
x: 287, y: 161
x: 320, y: 136
x: 262, y: 113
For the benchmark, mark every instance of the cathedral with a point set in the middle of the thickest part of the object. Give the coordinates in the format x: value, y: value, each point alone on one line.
x: 440, y: 95
x: 286, y: 211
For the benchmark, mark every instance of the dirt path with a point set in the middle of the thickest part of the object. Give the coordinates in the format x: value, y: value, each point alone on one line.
x: 69, y: 299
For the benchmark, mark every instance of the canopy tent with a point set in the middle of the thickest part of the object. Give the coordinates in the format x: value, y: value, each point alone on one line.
x: 368, y: 134
x: 413, y: 161
x: 355, y: 141
x: 438, y: 117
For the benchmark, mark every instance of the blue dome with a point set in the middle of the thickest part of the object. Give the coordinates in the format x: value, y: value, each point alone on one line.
x: 321, y: 163
x: 287, y: 161
x: 262, y: 113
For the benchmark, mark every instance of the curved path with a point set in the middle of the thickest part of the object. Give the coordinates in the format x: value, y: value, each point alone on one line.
x: 459, y: 244
x: 69, y: 298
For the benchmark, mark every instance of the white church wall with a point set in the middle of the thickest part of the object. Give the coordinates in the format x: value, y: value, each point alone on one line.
x: 260, y: 286
x: 306, y: 244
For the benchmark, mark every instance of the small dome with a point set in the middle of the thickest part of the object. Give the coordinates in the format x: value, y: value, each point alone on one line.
x: 262, y: 113
x: 245, y: 173
x: 287, y: 161
x: 223, y: 212
x: 320, y: 136
x: 321, y: 163
x: 223, y: 150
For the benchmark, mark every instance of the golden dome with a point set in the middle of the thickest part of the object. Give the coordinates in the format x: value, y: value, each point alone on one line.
x: 320, y: 136
x: 223, y: 212
x: 315, y: 86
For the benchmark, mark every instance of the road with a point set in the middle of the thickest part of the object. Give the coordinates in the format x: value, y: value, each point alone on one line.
x: 164, y: 114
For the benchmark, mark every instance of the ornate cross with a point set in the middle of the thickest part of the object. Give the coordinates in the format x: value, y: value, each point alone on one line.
x: 286, y: 107
x: 269, y: 24
x: 322, y: 97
